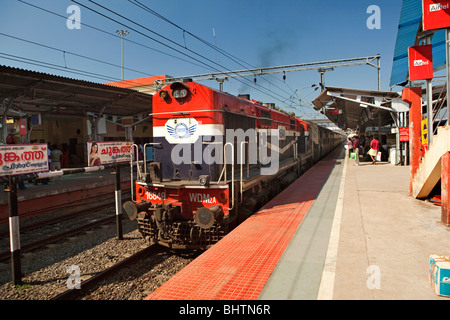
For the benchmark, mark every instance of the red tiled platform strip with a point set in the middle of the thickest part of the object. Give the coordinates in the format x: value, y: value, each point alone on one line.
x: 238, y: 266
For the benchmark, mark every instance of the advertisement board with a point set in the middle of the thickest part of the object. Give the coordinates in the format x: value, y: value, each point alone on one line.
x: 420, y: 62
x: 403, y: 133
x: 435, y: 14
x: 18, y: 159
x: 100, y: 153
x: 424, y: 129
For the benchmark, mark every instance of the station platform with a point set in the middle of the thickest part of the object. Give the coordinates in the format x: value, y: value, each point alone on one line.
x: 340, y: 232
x: 73, y: 190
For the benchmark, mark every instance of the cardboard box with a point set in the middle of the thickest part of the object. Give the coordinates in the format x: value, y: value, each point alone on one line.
x: 439, y: 272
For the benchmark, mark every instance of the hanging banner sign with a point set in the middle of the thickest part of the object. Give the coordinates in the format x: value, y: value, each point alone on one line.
x: 420, y: 62
x: 403, y: 134
x: 18, y: 159
x: 100, y: 153
x: 435, y: 14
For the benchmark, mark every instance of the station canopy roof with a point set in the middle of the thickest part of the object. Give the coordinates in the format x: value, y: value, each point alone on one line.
x: 410, y: 34
x: 355, y: 108
x: 34, y: 92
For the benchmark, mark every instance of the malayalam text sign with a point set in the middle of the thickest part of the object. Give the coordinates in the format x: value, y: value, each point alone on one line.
x: 18, y: 159
x: 435, y: 14
x: 420, y: 62
x: 403, y: 134
x: 100, y: 153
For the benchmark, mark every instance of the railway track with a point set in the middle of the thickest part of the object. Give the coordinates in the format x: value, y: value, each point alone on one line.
x: 84, y: 220
x: 45, y: 274
x: 58, y: 237
x: 75, y: 292
x: 99, y: 261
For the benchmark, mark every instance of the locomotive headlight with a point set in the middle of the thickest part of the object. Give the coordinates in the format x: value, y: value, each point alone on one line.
x: 204, y: 180
x: 164, y: 94
x: 179, y: 93
x: 179, y: 90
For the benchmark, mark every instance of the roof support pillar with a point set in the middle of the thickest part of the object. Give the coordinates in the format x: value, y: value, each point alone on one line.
x: 94, y: 120
x: 447, y: 65
x: 413, y: 96
x: 429, y: 94
x: 6, y: 104
x: 129, y: 133
x: 379, y: 72
x: 445, y: 185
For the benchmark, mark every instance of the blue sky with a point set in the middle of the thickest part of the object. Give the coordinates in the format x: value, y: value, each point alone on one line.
x: 259, y: 32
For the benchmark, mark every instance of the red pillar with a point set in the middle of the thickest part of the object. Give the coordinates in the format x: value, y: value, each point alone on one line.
x: 445, y: 185
x: 413, y: 96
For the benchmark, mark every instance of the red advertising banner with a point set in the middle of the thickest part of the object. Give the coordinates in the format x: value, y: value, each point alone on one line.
x: 100, y: 153
x: 420, y: 62
x: 18, y: 159
x: 403, y: 134
x: 435, y: 14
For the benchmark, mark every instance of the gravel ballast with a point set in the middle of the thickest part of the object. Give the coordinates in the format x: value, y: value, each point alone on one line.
x: 49, y: 271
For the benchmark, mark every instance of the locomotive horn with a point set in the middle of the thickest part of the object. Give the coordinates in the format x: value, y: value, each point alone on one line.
x: 131, y: 209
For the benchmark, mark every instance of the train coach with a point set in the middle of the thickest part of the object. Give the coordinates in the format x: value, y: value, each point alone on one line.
x: 217, y: 159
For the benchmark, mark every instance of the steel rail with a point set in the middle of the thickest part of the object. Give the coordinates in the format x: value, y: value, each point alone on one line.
x: 71, y: 294
x: 61, y: 236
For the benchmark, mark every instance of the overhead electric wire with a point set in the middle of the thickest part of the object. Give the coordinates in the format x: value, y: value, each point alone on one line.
x: 181, y: 46
x: 226, y: 54
x: 111, y: 34
x: 137, y: 31
x: 81, y: 72
x: 54, y: 66
x: 165, y: 38
x: 153, y: 12
x: 74, y: 54
x: 103, y: 31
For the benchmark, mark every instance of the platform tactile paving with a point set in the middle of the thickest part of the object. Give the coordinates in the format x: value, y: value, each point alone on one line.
x: 238, y: 266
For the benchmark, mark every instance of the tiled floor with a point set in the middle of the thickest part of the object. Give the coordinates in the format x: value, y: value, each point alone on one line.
x: 238, y: 267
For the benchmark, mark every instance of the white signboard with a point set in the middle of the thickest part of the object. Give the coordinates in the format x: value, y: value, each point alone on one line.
x: 100, y: 153
x: 18, y: 159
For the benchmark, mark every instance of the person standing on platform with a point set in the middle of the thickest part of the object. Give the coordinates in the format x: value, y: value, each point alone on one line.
x: 65, y: 157
x: 55, y: 156
x: 356, y: 148
x: 374, y: 146
x: 349, y: 147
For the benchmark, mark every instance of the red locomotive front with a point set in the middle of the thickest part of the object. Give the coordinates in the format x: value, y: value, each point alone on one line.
x: 217, y: 158
x: 180, y: 202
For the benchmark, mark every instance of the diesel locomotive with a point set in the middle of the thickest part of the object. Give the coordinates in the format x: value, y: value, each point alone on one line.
x: 216, y: 159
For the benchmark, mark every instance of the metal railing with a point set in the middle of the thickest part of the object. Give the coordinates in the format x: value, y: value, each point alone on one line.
x: 224, y: 171
x: 137, y: 162
x: 440, y: 109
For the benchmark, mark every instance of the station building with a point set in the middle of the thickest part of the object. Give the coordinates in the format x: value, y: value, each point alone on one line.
x: 42, y: 108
